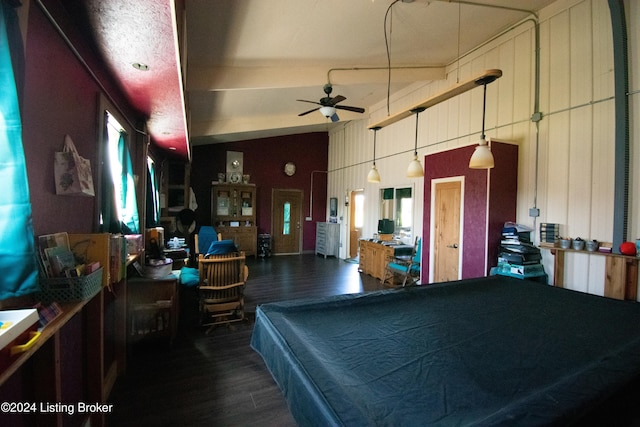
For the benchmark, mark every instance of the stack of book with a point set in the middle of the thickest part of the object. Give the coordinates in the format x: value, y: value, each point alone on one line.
x: 518, y: 257
x: 549, y: 232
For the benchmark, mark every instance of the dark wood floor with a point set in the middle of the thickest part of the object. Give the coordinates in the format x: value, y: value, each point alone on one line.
x: 216, y: 379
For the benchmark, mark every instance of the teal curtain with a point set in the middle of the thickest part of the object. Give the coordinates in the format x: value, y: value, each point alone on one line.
x: 18, y: 265
x: 128, y: 200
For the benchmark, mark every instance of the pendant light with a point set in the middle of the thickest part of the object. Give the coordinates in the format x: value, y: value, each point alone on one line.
x: 374, y: 176
x: 482, y: 157
x: 415, y: 168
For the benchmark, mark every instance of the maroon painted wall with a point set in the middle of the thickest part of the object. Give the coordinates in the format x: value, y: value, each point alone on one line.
x: 60, y: 97
x: 501, y: 198
x: 264, y: 161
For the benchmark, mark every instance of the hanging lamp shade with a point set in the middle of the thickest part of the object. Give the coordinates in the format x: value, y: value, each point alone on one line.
x: 415, y: 167
x: 482, y: 158
x: 374, y: 175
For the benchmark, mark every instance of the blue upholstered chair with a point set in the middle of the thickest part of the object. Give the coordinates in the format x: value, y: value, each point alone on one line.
x: 406, y: 269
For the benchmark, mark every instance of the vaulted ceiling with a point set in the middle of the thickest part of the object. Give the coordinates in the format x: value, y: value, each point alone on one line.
x: 230, y: 70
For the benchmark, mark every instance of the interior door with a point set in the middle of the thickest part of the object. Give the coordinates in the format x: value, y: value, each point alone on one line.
x: 446, y: 230
x: 286, y: 212
x: 356, y: 199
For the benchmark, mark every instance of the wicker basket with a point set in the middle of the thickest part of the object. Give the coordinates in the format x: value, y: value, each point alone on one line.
x: 70, y: 288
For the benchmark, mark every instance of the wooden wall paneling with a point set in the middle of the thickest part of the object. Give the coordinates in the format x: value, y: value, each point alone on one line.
x: 580, y: 172
x: 557, y: 174
x: 559, y: 62
x: 506, y: 99
x: 580, y: 55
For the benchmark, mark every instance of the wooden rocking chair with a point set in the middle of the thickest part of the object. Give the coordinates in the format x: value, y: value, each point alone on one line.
x: 221, y: 288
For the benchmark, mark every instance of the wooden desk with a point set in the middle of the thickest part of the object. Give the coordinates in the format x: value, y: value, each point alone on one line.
x: 621, y: 272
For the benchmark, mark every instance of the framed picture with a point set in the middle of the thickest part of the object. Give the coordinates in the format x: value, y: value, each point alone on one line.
x: 333, y: 206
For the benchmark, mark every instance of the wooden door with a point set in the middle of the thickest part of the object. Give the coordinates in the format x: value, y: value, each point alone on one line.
x: 446, y: 230
x: 286, y: 214
x: 355, y: 227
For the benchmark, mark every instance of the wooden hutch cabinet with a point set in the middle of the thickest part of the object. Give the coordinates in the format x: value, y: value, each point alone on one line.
x: 233, y: 214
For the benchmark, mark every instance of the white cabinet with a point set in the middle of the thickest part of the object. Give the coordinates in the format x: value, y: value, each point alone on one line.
x: 327, y: 238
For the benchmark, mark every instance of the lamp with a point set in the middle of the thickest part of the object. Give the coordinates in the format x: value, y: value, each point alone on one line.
x: 328, y: 111
x: 415, y: 168
x: 482, y: 157
x: 373, y: 175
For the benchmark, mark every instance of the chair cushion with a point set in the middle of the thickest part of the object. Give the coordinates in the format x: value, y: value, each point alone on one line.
x: 189, y: 276
x: 398, y: 267
x: 221, y: 247
x: 206, y: 235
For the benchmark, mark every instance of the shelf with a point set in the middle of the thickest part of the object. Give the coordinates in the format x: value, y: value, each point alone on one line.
x: 621, y: 272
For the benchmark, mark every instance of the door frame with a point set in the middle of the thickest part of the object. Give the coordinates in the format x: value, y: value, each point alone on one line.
x: 274, y: 191
x: 432, y: 224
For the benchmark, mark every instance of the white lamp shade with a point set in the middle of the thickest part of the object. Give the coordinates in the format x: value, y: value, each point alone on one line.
x: 328, y: 111
x: 482, y: 157
x: 373, y: 176
x: 415, y: 169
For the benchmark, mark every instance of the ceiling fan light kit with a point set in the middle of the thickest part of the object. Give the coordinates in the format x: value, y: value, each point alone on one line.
x: 328, y: 111
x: 328, y: 105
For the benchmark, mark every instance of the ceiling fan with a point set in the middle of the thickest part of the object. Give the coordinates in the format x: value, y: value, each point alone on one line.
x: 328, y: 105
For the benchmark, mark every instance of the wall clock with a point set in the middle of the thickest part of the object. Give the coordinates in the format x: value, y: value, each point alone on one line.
x: 235, y: 177
x: 289, y: 168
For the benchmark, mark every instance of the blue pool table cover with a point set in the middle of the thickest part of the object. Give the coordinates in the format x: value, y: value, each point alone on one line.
x: 487, y: 351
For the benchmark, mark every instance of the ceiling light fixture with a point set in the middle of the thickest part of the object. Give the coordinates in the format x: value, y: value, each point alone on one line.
x: 140, y: 66
x: 373, y: 175
x: 415, y: 167
x: 482, y: 157
x: 328, y: 111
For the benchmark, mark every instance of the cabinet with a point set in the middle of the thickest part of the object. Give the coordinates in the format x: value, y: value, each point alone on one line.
x: 233, y: 214
x: 327, y: 239
x: 176, y: 187
x: 152, y: 308
x: 373, y: 258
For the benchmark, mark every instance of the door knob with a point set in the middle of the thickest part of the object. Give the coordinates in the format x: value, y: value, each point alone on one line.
x: 454, y: 246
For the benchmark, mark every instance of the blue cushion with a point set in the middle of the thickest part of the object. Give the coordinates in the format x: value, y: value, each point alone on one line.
x: 222, y: 247
x: 189, y: 276
x: 206, y: 235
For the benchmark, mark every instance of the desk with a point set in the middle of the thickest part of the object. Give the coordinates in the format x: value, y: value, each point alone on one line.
x: 621, y: 272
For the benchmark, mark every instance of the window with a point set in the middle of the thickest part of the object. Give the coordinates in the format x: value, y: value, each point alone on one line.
x: 286, y: 228
x: 120, y: 206
x: 397, y: 205
x: 153, y: 195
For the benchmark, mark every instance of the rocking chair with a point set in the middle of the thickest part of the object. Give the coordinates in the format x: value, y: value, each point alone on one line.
x: 221, y: 288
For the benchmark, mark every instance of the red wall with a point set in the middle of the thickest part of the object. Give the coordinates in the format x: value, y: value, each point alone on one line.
x: 60, y: 97
x: 264, y: 160
x: 500, y: 194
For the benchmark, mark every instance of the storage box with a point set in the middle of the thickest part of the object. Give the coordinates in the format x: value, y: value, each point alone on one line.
x: 70, y: 288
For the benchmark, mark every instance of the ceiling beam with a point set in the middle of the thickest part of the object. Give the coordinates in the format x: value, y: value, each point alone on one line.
x: 232, y: 78
x: 459, y: 88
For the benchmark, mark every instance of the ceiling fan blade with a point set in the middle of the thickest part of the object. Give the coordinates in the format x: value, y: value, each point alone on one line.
x: 307, y: 112
x: 335, y: 117
x: 346, y: 107
x: 337, y: 99
x: 310, y: 102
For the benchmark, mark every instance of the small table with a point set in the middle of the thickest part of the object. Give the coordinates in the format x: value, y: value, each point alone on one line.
x: 621, y: 272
